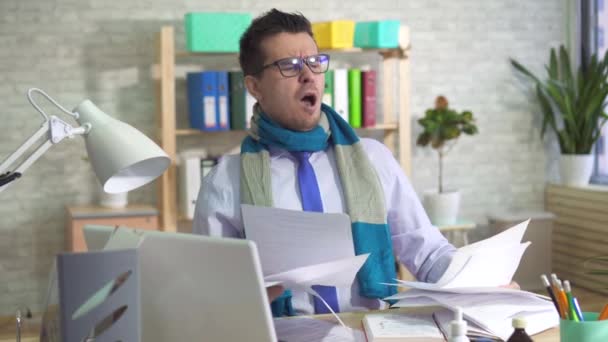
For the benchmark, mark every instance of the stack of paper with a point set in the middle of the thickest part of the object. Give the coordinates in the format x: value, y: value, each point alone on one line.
x: 473, y: 282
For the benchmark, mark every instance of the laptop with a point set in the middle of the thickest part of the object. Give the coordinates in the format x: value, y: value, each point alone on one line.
x: 196, y: 288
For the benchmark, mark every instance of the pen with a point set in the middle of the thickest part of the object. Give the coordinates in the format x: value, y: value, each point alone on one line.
x: 561, y: 297
x: 577, y: 307
x: 604, y: 314
x: 547, y: 285
x: 572, y: 314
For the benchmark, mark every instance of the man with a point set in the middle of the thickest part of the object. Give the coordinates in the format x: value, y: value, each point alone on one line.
x: 294, y: 136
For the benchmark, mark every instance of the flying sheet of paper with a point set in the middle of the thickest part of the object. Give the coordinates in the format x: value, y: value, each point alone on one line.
x: 301, y: 329
x: 289, y: 239
x: 338, y: 273
x: 511, y: 236
x: 488, y: 263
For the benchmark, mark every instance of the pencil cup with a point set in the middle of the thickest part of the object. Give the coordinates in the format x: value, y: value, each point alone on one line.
x: 591, y: 330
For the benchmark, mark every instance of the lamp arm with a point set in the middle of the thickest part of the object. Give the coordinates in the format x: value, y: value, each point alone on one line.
x: 53, y: 130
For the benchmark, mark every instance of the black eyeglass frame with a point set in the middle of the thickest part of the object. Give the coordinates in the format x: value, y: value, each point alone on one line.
x: 301, y: 61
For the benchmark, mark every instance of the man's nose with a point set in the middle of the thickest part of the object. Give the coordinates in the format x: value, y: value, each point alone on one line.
x: 306, y: 75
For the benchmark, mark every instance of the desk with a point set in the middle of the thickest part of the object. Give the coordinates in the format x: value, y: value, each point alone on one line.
x: 351, y: 319
x: 458, y: 230
x: 30, y: 329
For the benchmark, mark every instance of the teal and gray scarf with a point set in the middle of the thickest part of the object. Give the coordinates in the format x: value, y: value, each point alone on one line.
x: 362, y: 189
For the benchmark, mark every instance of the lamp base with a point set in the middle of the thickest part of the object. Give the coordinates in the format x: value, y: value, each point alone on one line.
x: 107, y: 200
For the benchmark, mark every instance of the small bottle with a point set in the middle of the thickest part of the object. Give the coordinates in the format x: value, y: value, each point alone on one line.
x: 519, y: 335
x: 458, y: 328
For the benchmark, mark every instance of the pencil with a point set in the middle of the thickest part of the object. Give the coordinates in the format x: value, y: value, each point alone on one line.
x: 572, y: 314
x: 604, y: 314
x: 561, y: 297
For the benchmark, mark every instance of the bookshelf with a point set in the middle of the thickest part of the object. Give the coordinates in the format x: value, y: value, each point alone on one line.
x: 395, y: 128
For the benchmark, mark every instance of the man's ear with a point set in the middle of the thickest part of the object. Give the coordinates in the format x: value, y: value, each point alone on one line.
x: 253, y: 86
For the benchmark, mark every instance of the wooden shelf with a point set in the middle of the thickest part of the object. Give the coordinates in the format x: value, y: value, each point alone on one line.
x: 386, y: 52
x: 395, y: 126
x: 195, y: 132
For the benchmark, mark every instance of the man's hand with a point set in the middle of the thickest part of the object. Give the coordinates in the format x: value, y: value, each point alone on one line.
x: 513, y: 285
x: 274, y: 292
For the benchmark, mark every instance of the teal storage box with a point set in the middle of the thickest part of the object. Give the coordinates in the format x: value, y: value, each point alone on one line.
x: 215, y: 32
x: 377, y: 34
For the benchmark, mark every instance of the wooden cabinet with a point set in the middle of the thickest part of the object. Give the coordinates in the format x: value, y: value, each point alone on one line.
x: 580, y: 232
x: 394, y: 130
x: 135, y: 216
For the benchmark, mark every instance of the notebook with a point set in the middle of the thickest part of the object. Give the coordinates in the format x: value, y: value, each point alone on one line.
x: 391, y: 327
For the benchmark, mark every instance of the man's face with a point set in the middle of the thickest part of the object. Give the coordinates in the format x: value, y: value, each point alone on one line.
x: 293, y: 102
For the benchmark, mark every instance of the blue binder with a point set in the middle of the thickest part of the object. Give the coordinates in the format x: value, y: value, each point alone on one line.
x: 202, y: 100
x: 223, y: 101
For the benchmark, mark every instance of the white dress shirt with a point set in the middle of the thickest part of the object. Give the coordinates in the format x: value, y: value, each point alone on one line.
x: 416, y: 242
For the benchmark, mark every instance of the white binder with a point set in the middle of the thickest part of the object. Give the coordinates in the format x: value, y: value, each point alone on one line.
x: 341, y: 92
x: 190, y: 176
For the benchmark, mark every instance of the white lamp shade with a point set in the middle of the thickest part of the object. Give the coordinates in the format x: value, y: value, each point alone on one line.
x: 122, y: 157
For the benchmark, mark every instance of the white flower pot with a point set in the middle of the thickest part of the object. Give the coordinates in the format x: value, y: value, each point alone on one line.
x: 575, y: 169
x: 442, y: 208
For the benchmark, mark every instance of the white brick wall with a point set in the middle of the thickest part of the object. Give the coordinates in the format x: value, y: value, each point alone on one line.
x: 103, y: 50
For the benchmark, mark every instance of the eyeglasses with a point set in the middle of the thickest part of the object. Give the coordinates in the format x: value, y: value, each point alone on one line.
x: 292, y: 66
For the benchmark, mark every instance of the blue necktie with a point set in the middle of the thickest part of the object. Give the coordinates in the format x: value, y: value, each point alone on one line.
x: 311, y: 201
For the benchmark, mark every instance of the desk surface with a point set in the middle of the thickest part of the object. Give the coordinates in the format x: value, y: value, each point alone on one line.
x: 352, y: 319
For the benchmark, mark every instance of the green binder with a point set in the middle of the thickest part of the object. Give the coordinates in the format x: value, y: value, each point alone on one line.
x: 238, y: 96
x: 328, y: 92
x: 354, y: 97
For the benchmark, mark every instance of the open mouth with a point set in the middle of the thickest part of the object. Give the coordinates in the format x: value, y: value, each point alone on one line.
x: 309, y: 99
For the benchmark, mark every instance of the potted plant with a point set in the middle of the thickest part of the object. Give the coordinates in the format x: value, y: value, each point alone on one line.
x: 573, y: 107
x: 442, y: 127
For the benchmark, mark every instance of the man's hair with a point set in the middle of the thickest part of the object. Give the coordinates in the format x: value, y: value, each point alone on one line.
x: 251, y: 56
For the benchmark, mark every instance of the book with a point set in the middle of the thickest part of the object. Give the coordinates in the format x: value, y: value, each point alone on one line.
x: 341, y: 93
x: 354, y: 97
x: 241, y: 102
x: 189, y: 184
x: 388, y: 327
x: 222, y: 102
x: 328, y: 92
x: 202, y: 98
x: 368, y: 97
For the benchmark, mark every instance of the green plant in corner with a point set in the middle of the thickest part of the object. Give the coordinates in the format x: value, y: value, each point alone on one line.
x: 442, y: 126
x: 572, y: 105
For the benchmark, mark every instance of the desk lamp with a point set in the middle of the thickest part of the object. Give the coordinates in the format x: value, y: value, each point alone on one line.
x: 122, y: 157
